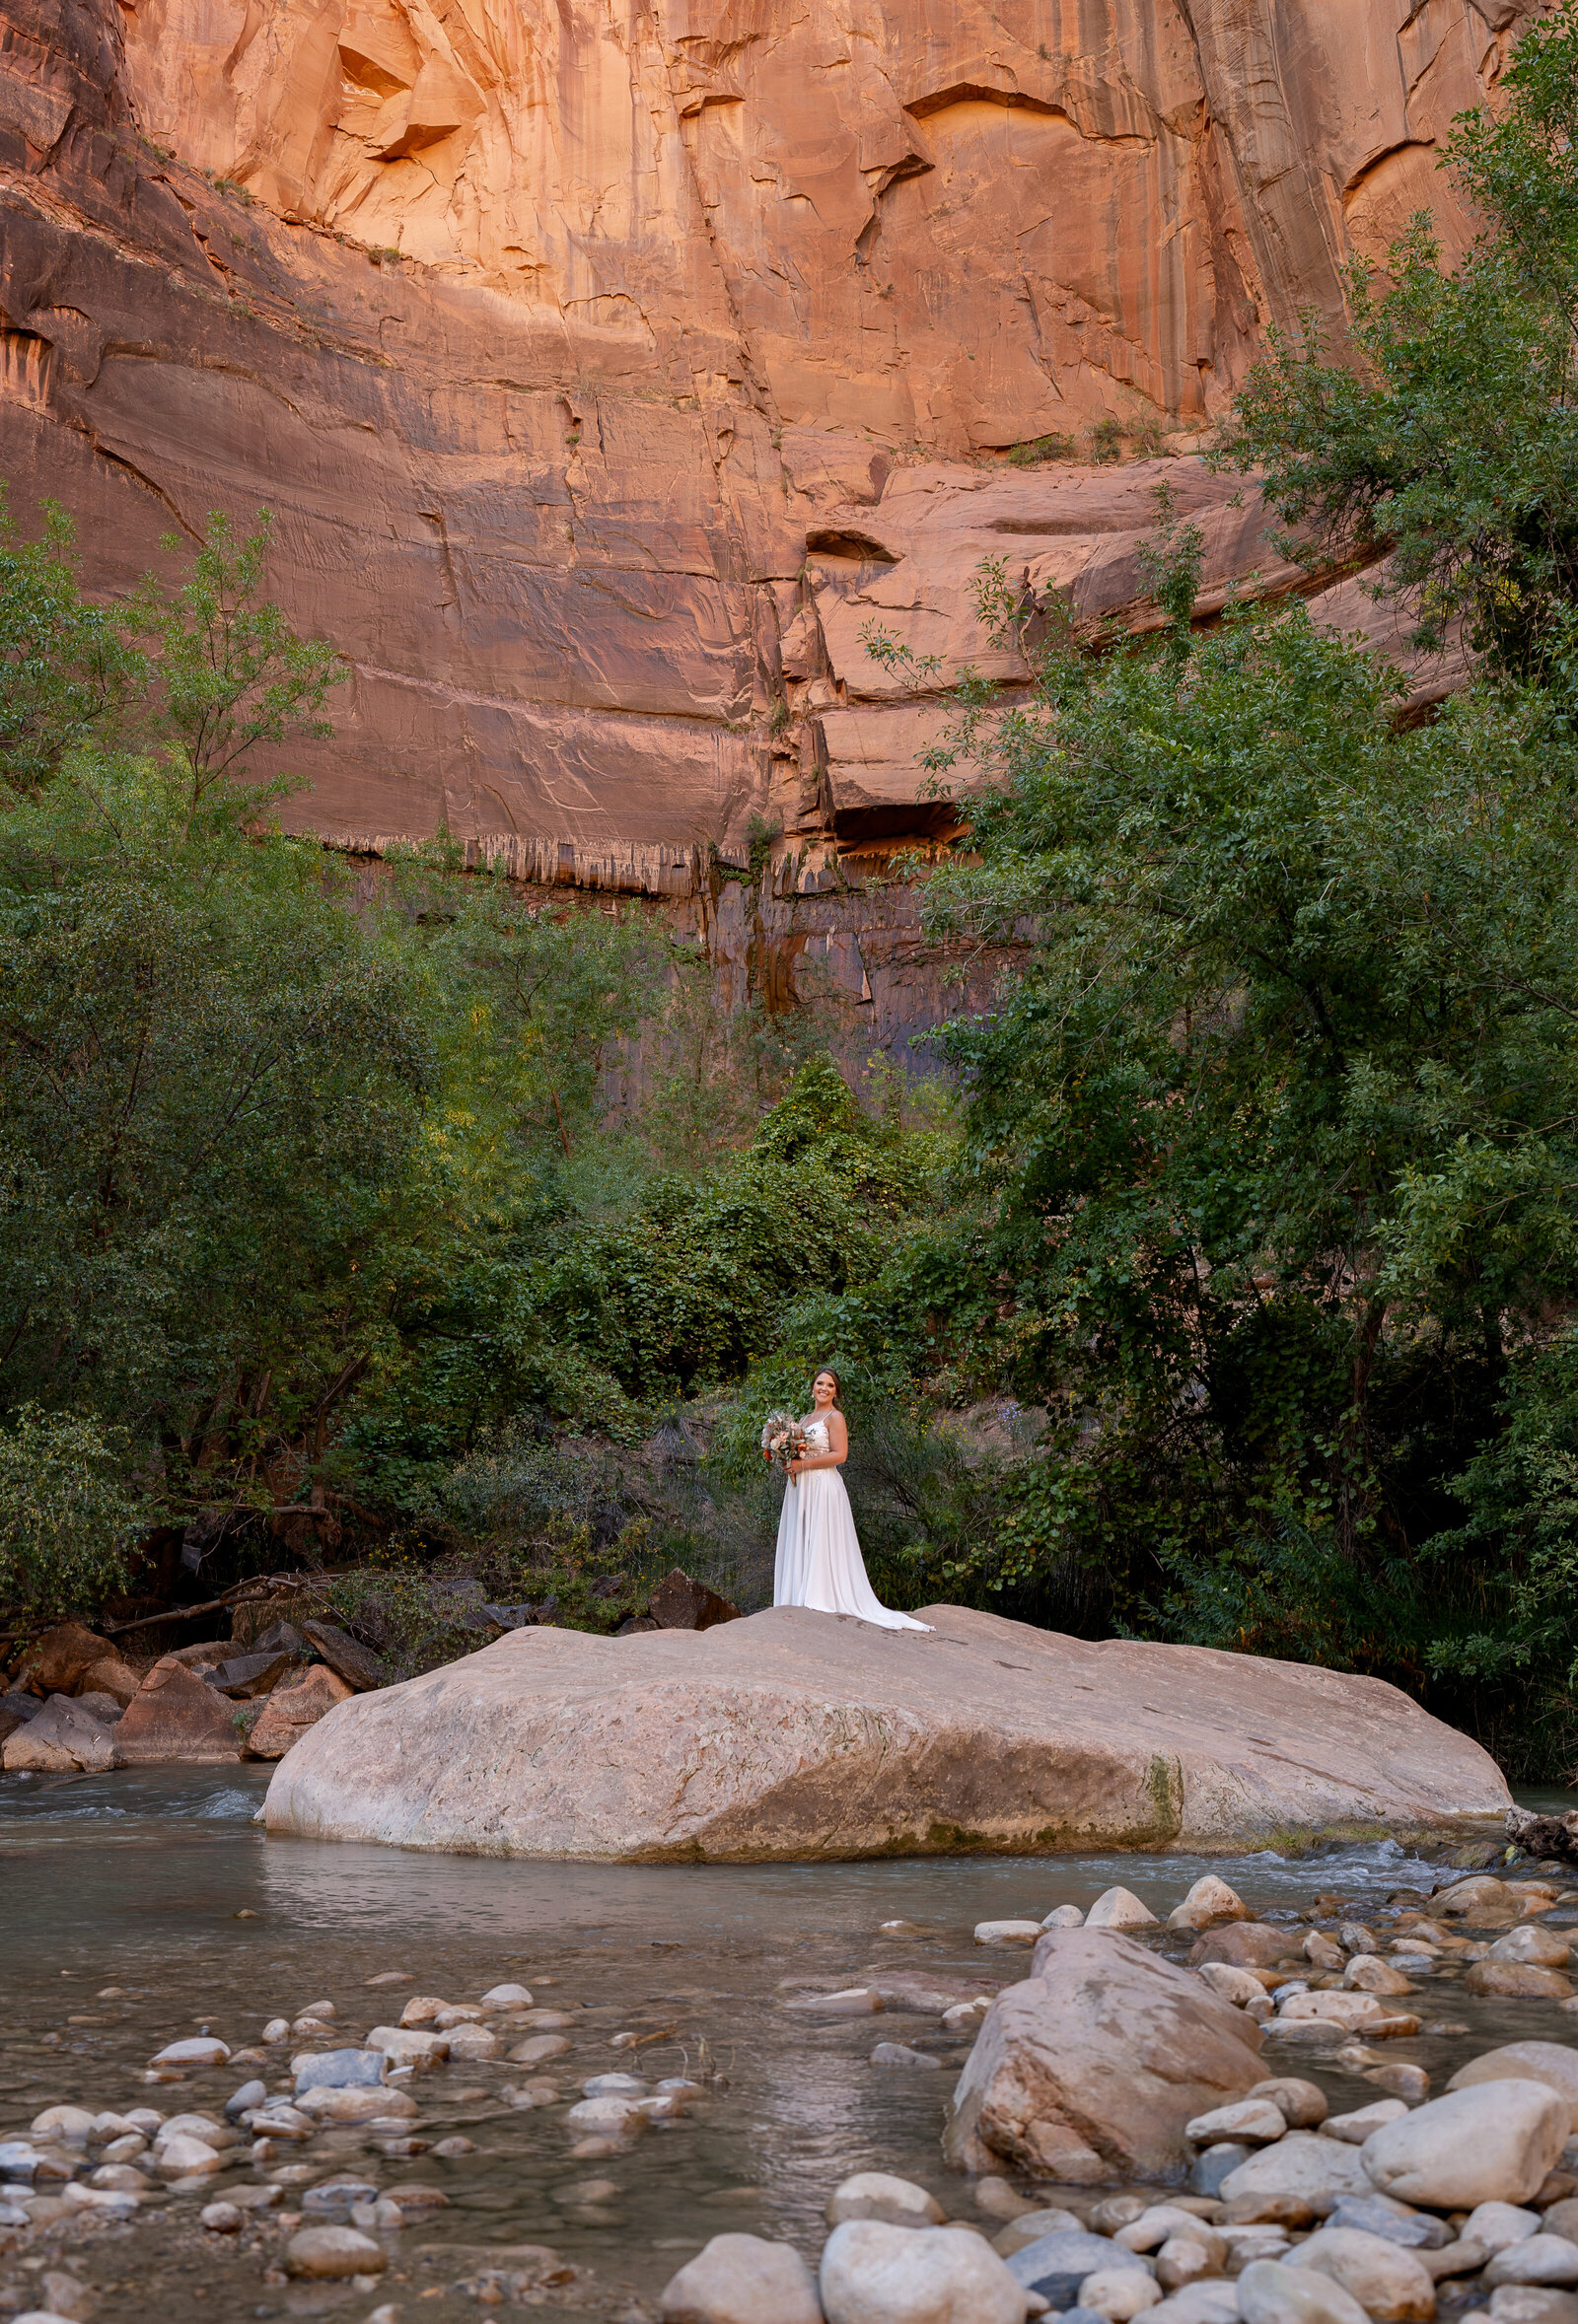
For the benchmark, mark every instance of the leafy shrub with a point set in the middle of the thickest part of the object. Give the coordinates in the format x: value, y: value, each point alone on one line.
x: 67, y: 1517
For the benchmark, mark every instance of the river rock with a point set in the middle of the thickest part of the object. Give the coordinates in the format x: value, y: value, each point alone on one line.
x: 507, y: 1997
x: 1561, y: 2219
x: 1008, y: 1931
x: 409, y: 2045
x: 1536, y: 2258
x: 797, y: 1734
x: 1550, y: 2062
x: 174, y: 1716
x: 1356, y: 2127
x: 1303, y: 2105
x: 1494, y: 2225
x: 1119, y: 2293
x: 1304, y: 2164
x: 1120, y: 1908
x: 54, y: 1664
x: 1272, y: 2293
x: 1055, y: 2265
x: 184, y: 2157
x: 112, y: 1675
x: 246, y: 1677
x: 1387, y: 2280
x: 1254, y: 2122
x: 876, y: 2194
x: 196, y: 2048
x: 1518, y: 1980
x: 358, y: 1666
x: 1247, y: 1944
x: 1208, y: 1901
x: 875, y: 2274
x: 1395, y: 2222
x: 1540, y: 1947
x: 1368, y: 1973
x: 1209, y: 2301
x: 295, y: 1705
x: 1064, y: 1916
x: 1533, y: 2303
x: 741, y: 2280
x: 1031, y: 2226
x: 65, y: 1738
x: 1091, y: 2068
x: 356, y: 2106
x: 539, y: 2049
x: 1495, y: 2142
x: 334, y: 2251
x: 1238, y: 1986
x: 341, y: 2070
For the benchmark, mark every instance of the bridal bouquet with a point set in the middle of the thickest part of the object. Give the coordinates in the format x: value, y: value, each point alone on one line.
x: 783, y: 1439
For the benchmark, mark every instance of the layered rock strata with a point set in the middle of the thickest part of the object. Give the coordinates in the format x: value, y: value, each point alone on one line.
x: 610, y: 372
x: 796, y: 1734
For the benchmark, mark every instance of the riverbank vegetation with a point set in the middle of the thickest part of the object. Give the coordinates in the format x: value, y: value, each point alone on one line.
x: 1221, y: 1290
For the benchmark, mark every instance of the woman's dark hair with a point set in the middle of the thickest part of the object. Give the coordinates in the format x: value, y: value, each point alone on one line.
x: 837, y: 1385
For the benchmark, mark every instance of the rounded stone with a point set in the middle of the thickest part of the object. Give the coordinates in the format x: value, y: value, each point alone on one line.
x: 1493, y: 2143
x: 1368, y: 1973
x: 335, y: 2252
x: 1353, y: 2129
x: 1493, y: 2226
x: 878, y: 2195
x: 1254, y: 2122
x: 1272, y: 2293
x: 1119, y: 2293
x: 201, y: 2050
x: 1555, y: 2064
x: 1389, y: 2282
x: 1302, y: 2104
x: 741, y: 2280
x: 1064, y: 1916
x: 872, y: 2273
x: 1120, y: 1908
x: 1007, y: 1931
x: 1518, y: 1981
x: 1540, y: 1947
x: 223, y: 2218
x: 507, y: 1997
x: 1536, y: 2258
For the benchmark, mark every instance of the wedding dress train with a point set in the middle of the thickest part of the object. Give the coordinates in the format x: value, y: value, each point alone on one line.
x: 820, y: 1564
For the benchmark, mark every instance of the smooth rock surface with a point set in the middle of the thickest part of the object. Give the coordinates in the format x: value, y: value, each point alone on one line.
x: 873, y: 2273
x: 294, y: 1707
x: 798, y: 1734
x: 175, y: 1715
x: 64, y: 1737
x: 1092, y: 2066
x: 335, y: 2252
x: 741, y: 2280
x: 1555, y: 2063
x: 1305, y: 2163
x: 1270, y: 2293
x: 878, y: 2195
x: 1495, y: 2142
x: 1387, y: 2280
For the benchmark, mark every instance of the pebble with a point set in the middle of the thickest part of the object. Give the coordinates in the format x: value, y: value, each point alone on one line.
x: 1368, y: 1973
x: 872, y: 2273
x: 223, y: 2218
x: 1253, y: 2121
x: 1064, y: 1916
x: 199, y: 2050
x: 338, y: 2069
x: 965, y: 2017
x: 900, y: 2054
x: 1536, y: 2258
x: 1387, y: 2281
x: 1007, y: 1931
x: 183, y: 2158
x: 449, y: 2149
x: 1356, y: 2127
x: 249, y: 2095
x: 877, y: 2195
x: 335, y: 2252
x: 741, y: 2280
x: 1494, y: 2142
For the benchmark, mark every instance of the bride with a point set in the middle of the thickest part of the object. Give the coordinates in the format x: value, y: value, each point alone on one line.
x: 820, y: 1564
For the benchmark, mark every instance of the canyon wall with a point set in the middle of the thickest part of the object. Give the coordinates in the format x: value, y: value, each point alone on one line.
x: 613, y: 370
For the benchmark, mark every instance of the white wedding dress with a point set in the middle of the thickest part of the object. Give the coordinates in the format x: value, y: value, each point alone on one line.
x: 820, y: 1564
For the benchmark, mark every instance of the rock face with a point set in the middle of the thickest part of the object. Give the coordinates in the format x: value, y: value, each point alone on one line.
x: 799, y: 1734
x: 174, y: 1715
x: 293, y: 1708
x: 1091, y: 2068
x: 609, y: 373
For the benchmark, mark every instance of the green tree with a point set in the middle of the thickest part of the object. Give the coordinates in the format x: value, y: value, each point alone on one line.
x: 68, y: 672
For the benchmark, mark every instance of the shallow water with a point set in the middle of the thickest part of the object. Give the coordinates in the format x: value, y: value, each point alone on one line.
x: 137, y: 1879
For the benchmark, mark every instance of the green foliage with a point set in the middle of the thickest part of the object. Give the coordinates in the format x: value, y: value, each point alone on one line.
x: 1105, y: 441
x: 67, y: 1518
x: 1044, y: 447
x: 67, y: 670
x: 1455, y: 445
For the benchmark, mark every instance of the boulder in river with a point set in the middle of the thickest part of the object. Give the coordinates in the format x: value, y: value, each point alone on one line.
x: 1552, y: 2062
x: 294, y: 1707
x: 1091, y: 2068
x: 873, y: 2273
x: 796, y: 1734
x: 65, y: 1738
x: 174, y: 1715
x: 1494, y: 2142
x: 741, y: 2280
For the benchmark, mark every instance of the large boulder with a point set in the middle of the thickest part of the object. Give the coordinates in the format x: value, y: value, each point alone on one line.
x: 64, y: 1738
x: 1552, y: 2062
x: 56, y: 1661
x: 1092, y: 2067
x: 797, y: 1734
x: 174, y: 1715
x: 294, y: 1707
x: 1494, y: 2142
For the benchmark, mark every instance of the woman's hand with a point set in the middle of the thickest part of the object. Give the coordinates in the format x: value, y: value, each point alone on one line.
x: 795, y: 1467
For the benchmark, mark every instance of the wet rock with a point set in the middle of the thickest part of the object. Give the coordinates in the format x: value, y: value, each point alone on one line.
x: 475, y: 2042
x: 875, y: 2274
x: 854, y: 2001
x: 538, y: 2050
x: 71, y: 2124
x: 1208, y: 1901
x: 1536, y: 2258
x: 1253, y: 2121
x: 341, y: 2070
x: 1032, y: 2227
x: 1091, y: 2068
x: 359, y: 1668
x: 1246, y: 1944
x: 1187, y: 2259
x: 66, y: 1738
x: 295, y: 1705
x: 1008, y: 1931
x: 1306, y: 2164
x: 186, y: 2158
x: 900, y: 2054
x: 1368, y: 1973
x: 877, y: 2195
x: 358, y: 2105
x: 1064, y: 1916
x: 1303, y: 2105
x: 1120, y: 1908
x: 1542, y: 1947
x: 1158, y: 2222
x: 335, y: 2252
x: 1518, y: 1980
x: 118, y: 2178
x: 1272, y: 2293
x: 1401, y: 2079
x: 1494, y: 2142
x: 201, y: 2049
x: 1119, y: 2293
x: 334, y: 2199
x: 1214, y: 2164
x: 741, y: 2280
x: 1239, y: 1986
x: 409, y: 2045
x: 679, y: 1604
x: 1563, y: 2218
x: 422, y: 2009
x: 966, y: 2016
x: 223, y: 2218
x: 1386, y: 2279
x: 507, y: 1997
x: 1353, y: 2129
x: 1533, y: 2303
x: 1056, y: 2265
x: 175, y: 1715
x: 1552, y: 2062
x: 251, y: 2094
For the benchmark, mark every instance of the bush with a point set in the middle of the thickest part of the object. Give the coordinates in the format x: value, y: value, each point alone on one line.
x: 67, y: 1517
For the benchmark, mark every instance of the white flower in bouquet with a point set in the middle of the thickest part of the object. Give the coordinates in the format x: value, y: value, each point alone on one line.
x: 783, y: 1439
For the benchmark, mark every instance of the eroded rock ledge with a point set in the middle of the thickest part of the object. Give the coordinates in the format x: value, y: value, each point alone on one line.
x: 798, y: 1735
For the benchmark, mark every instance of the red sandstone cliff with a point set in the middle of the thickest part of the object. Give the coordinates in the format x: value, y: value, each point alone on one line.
x: 611, y: 369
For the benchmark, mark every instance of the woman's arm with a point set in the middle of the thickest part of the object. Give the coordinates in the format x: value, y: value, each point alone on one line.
x: 838, y: 1452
